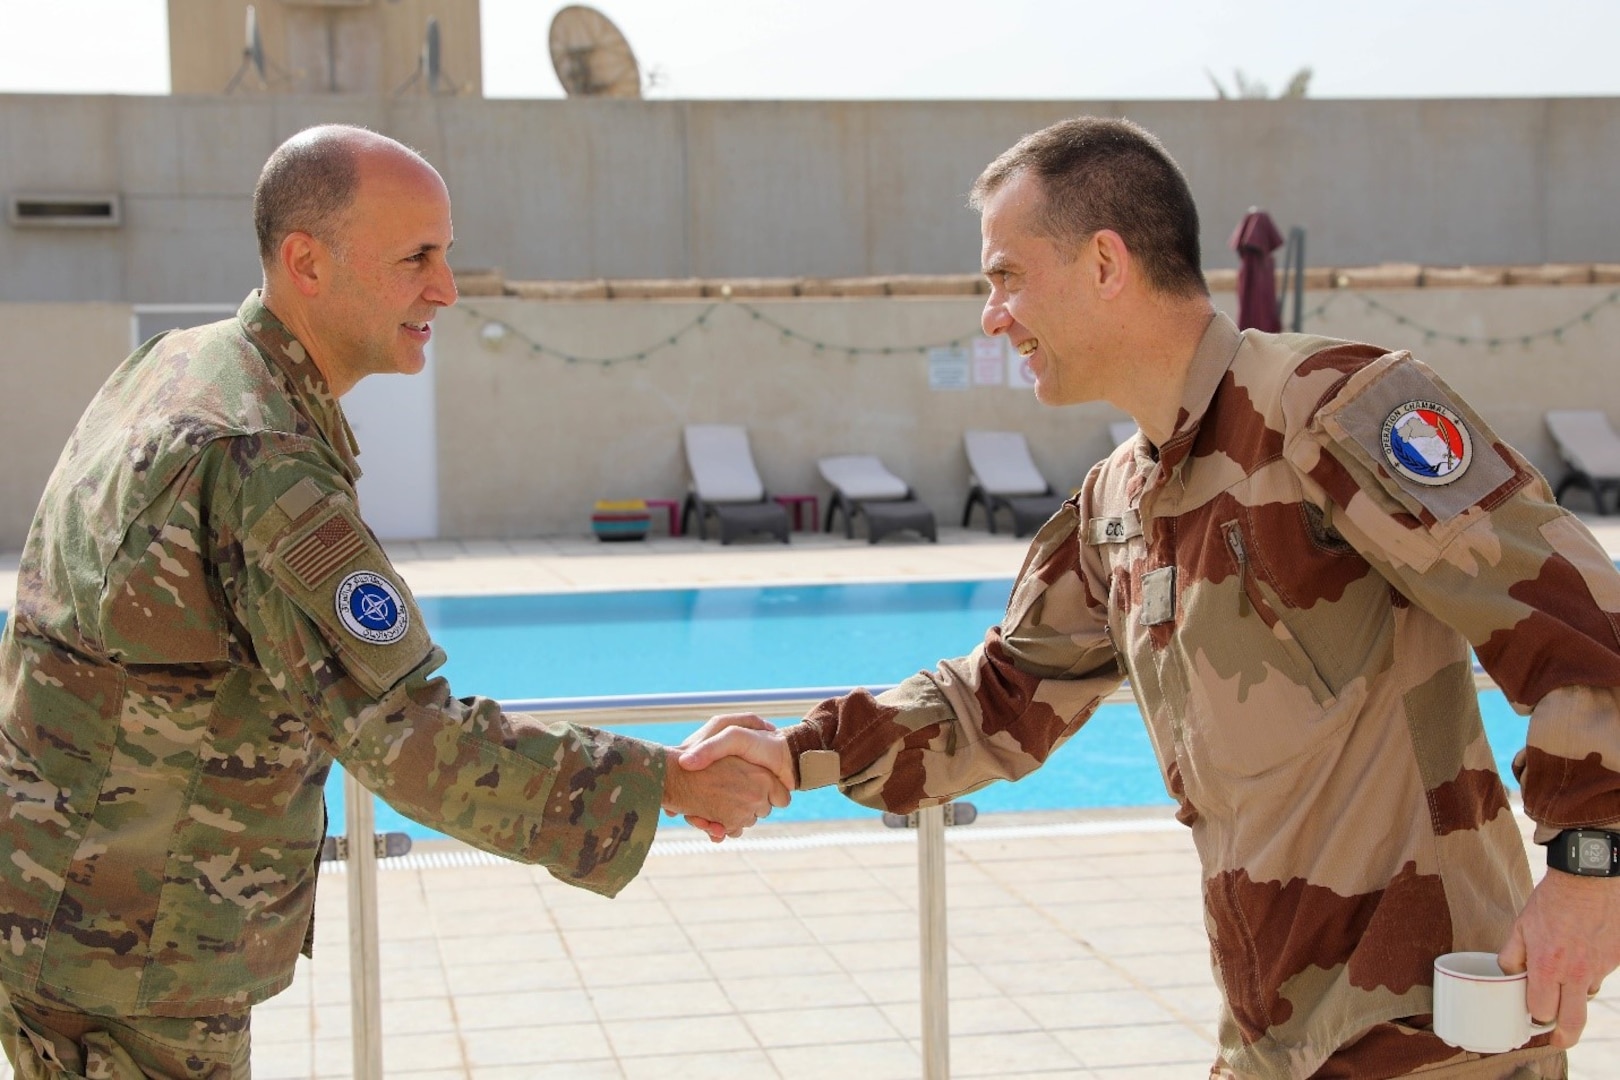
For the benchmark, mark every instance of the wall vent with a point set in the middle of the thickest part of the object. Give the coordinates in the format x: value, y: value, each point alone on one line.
x: 55, y: 211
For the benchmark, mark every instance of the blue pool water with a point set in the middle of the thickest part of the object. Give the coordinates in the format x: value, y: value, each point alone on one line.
x: 692, y: 640
x: 674, y: 641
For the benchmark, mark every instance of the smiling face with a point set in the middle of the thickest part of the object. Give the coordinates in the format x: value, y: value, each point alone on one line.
x: 388, y: 272
x: 1039, y: 295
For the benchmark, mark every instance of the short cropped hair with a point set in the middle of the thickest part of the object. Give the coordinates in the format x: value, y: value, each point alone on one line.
x: 1103, y: 173
x: 308, y: 184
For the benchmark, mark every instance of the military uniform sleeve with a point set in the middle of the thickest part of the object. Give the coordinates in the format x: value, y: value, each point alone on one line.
x: 996, y: 714
x: 338, y: 633
x: 1465, y: 528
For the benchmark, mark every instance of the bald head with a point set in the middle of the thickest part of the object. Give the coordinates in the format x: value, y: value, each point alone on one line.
x: 310, y: 182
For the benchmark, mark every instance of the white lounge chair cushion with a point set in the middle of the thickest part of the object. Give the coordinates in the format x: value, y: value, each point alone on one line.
x: 1586, y: 441
x: 859, y: 476
x: 1001, y: 463
x: 721, y: 463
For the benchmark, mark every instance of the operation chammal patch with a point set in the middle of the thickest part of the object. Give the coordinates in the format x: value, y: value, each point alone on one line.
x: 1427, y: 443
x: 369, y: 607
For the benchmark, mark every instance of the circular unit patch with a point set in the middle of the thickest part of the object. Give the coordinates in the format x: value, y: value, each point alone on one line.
x: 370, y: 608
x: 1427, y: 443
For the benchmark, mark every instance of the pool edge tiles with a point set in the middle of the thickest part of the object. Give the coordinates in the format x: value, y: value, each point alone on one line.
x: 573, y: 565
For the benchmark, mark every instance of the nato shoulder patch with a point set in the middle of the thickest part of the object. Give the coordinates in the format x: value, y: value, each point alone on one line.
x: 366, y: 617
x: 370, y: 608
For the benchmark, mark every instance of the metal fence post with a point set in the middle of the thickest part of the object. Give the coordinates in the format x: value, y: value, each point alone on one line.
x: 365, y: 971
x: 936, y: 999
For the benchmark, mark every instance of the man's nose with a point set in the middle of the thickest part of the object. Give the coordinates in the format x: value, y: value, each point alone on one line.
x: 995, y: 320
x: 442, y: 289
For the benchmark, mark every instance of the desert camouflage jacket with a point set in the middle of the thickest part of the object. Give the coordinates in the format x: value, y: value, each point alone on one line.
x: 1292, y: 584
x: 203, y: 623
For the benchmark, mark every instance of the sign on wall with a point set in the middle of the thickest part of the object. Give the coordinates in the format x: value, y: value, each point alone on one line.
x: 989, y: 361
x: 1019, y: 375
x: 948, y: 368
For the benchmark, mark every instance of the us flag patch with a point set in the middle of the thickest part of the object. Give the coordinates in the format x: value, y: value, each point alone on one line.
x: 333, y: 543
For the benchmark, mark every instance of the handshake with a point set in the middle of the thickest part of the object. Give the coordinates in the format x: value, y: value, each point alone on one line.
x: 728, y: 774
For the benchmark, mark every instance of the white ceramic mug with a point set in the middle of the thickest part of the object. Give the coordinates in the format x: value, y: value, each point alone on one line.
x: 1478, y: 1008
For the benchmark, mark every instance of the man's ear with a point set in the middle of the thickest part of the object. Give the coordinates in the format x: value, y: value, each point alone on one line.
x: 1114, y: 267
x: 304, y: 260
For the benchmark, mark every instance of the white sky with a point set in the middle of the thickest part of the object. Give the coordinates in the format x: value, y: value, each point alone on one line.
x: 1080, y: 49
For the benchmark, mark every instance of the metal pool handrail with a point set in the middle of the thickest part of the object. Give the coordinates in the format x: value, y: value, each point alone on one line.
x: 365, y: 970
x: 701, y: 704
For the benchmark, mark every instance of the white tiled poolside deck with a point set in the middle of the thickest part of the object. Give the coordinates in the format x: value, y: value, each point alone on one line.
x: 1077, y: 947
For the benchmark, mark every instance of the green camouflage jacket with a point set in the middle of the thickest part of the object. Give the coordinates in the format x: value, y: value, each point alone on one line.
x: 203, y: 623
x: 1291, y: 584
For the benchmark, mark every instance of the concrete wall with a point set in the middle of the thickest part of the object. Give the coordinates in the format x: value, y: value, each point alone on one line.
x: 53, y: 359
x: 527, y: 441
x: 648, y: 189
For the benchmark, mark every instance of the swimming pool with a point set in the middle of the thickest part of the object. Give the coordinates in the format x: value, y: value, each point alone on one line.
x: 774, y: 637
x: 674, y: 641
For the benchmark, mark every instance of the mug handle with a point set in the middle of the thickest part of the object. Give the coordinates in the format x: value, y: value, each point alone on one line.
x: 1541, y: 1029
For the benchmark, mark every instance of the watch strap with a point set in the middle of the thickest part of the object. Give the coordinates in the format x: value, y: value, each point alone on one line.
x: 1586, y: 852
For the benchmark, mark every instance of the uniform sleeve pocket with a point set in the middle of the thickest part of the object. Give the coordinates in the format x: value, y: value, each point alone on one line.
x: 332, y: 569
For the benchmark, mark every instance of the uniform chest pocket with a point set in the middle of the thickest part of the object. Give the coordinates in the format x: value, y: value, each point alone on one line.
x: 1256, y: 603
x: 1258, y: 699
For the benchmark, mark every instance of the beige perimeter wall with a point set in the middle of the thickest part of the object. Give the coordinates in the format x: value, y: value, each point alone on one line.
x: 53, y: 357
x: 528, y: 440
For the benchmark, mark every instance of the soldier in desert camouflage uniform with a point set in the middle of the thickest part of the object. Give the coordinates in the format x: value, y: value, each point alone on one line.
x: 1289, y: 563
x: 204, y: 622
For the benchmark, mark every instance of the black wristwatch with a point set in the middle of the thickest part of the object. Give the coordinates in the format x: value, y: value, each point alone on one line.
x: 1587, y: 852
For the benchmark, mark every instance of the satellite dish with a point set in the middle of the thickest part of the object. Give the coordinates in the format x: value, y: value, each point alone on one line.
x: 252, y: 55
x: 591, y: 57
x: 255, y: 44
x: 429, y: 73
x: 430, y: 55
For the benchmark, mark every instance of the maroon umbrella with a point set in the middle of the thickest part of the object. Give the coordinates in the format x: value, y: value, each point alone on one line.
x: 1254, y: 241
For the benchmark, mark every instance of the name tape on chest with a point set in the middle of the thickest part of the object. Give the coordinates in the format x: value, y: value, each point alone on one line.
x: 1112, y: 530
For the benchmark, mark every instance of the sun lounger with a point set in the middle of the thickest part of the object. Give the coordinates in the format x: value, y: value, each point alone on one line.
x: 1591, y: 450
x: 726, y: 485
x: 1004, y: 477
x: 863, y: 487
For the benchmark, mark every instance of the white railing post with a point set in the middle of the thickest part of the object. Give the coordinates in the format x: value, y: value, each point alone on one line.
x: 365, y: 969
x: 936, y: 997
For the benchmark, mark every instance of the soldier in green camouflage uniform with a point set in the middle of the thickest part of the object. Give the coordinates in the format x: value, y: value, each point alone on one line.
x: 204, y: 623
x: 1289, y: 564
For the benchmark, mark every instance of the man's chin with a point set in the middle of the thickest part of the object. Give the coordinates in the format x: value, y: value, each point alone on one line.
x: 410, y: 364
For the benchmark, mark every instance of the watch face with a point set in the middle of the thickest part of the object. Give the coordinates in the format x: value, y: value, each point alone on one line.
x: 1593, y: 854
